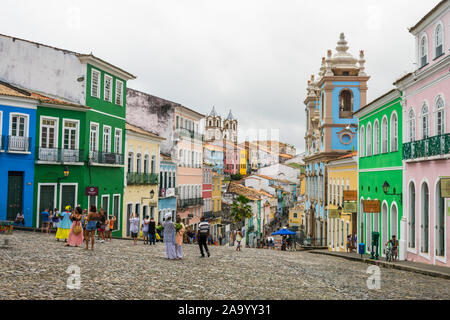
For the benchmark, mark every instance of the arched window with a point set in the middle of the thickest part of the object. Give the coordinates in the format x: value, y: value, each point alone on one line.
x: 438, y: 40
x: 322, y: 102
x: 394, y: 132
x: 369, y: 140
x: 424, y: 218
x: 130, y: 162
x: 362, y: 147
x: 425, y: 121
x: 423, y: 51
x: 439, y: 222
x: 138, y: 163
x: 384, y: 135
x: 440, y: 116
x: 412, y: 216
x: 411, y: 126
x: 346, y: 104
x: 153, y: 165
x: 146, y: 163
x: 376, y: 138
x: 210, y: 123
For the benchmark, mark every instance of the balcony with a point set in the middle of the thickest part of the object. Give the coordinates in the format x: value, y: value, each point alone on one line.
x: 184, y: 203
x: 59, y: 155
x: 106, y: 158
x: 134, y: 178
x: 190, y: 134
x: 16, y: 144
x: 167, y: 192
x: 429, y: 147
x: 208, y: 214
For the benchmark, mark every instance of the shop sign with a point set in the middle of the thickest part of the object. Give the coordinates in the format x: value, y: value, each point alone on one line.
x: 371, y: 206
x: 92, y: 191
x: 350, y: 206
x: 350, y: 195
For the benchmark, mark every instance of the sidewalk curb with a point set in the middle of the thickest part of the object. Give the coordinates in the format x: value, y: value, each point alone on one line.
x: 388, y: 265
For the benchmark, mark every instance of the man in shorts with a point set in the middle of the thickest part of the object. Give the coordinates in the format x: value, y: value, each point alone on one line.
x: 45, y: 223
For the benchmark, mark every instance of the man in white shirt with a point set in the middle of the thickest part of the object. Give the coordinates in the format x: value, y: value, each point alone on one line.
x: 202, y: 236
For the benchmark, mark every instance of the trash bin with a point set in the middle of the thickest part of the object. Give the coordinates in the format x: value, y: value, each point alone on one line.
x: 361, y: 248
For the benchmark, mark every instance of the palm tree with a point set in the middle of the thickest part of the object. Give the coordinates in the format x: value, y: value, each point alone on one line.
x: 240, y: 209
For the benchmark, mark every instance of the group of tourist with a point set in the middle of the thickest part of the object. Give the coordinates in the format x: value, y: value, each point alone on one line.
x: 78, y: 225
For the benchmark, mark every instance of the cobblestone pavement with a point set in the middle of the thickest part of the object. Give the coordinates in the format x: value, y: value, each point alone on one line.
x: 35, y: 268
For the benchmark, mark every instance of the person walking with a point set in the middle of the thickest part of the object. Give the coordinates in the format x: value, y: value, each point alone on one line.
x: 56, y: 218
x: 152, y: 232
x: 45, y: 216
x: 179, y: 239
x: 145, y: 228
x: 92, y: 218
x: 101, y: 228
x: 169, y: 236
x: 64, y: 225
x: 238, y: 240
x: 203, y: 235
x: 134, y: 227
x: 76, y: 231
x: 112, y: 220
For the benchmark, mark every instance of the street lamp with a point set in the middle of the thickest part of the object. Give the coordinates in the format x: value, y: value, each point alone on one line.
x: 386, y: 187
x: 66, y: 173
x: 152, y: 194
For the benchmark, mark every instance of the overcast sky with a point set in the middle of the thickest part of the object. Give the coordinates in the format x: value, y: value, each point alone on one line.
x: 253, y: 56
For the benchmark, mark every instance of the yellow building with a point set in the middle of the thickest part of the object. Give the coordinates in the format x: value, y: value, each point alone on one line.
x: 216, y: 192
x: 141, y: 175
x: 341, y: 222
x: 243, y: 162
x: 295, y: 216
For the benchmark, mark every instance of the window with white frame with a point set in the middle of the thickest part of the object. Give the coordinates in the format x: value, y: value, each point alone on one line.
x: 439, y: 40
x: 70, y: 135
x: 93, y: 137
x: 106, y: 139
x: 95, y: 83
x: 49, y: 133
x: 130, y: 162
x: 384, y: 135
x: 440, y: 116
x: 146, y: 163
x: 119, y: 92
x: 118, y: 141
x: 138, y: 163
x: 425, y: 121
x: 394, y: 132
x: 376, y: 138
x: 362, y: 147
x: 369, y: 140
x: 108, y: 88
x: 411, y: 125
x: 423, y: 51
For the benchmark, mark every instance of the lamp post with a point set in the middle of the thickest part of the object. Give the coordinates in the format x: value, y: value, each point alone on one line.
x: 66, y: 173
x: 386, y: 187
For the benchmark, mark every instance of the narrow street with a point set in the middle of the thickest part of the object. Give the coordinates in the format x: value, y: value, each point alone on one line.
x: 35, y: 268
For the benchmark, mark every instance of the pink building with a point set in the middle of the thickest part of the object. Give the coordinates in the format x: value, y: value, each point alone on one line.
x: 426, y: 138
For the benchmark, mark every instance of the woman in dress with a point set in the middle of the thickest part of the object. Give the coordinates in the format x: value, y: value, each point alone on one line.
x: 169, y: 236
x: 91, y: 226
x: 64, y: 225
x: 76, y: 239
x: 179, y: 239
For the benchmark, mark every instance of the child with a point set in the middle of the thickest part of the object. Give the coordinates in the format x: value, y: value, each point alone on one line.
x: 112, y: 219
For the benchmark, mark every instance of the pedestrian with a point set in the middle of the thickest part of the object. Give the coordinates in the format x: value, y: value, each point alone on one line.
x: 56, y: 218
x: 179, y: 239
x: 112, y: 220
x: 92, y: 218
x: 231, y: 239
x: 84, y: 223
x: 134, y: 227
x: 394, y: 244
x: 76, y: 231
x: 45, y: 216
x: 349, y: 243
x: 238, y: 240
x: 152, y: 231
x: 169, y: 236
x: 159, y: 231
x: 145, y: 226
x: 64, y: 225
x: 50, y: 221
x: 202, y: 235
x: 101, y: 227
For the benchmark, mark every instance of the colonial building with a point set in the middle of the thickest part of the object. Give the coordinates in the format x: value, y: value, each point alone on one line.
x: 141, y: 179
x: 167, y: 201
x: 426, y: 140
x: 207, y: 191
x: 380, y: 171
x: 338, y: 91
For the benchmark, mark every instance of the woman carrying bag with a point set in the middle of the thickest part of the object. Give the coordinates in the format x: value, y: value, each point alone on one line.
x: 76, y: 231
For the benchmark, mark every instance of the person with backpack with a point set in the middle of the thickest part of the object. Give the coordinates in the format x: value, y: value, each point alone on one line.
x: 203, y: 235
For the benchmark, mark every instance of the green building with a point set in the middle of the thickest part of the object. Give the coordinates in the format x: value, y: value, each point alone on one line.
x: 79, y: 156
x: 380, y: 170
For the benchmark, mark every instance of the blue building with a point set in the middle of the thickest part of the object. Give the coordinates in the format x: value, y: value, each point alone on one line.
x: 213, y: 155
x: 167, y: 201
x: 331, y: 128
x: 17, y: 152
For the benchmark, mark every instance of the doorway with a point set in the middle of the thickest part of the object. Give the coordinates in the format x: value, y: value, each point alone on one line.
x: 15, y: 194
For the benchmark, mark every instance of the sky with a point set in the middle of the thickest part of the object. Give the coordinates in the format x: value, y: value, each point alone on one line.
x: 251, y: 56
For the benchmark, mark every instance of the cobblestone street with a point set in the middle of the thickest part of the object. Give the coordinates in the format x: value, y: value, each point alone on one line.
x: 35, y: 268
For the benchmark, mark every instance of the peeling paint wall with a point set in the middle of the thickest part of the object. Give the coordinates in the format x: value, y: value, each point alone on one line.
x: 152, y: 114
x: 41, y: 68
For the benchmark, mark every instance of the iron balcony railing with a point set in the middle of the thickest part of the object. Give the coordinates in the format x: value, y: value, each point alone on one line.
x: 189, y: 202
x: 134, y: 178
x: 431, y: 146
x: 190, y: 134
x: 106, y: 158
x: 208, y: 214
x: 59, y: 155
x: 17, y: 144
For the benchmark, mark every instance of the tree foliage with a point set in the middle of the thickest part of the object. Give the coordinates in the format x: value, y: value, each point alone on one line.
x: 240, y: 209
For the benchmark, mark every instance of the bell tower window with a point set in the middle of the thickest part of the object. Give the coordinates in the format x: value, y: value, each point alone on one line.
x: 346, y: 104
